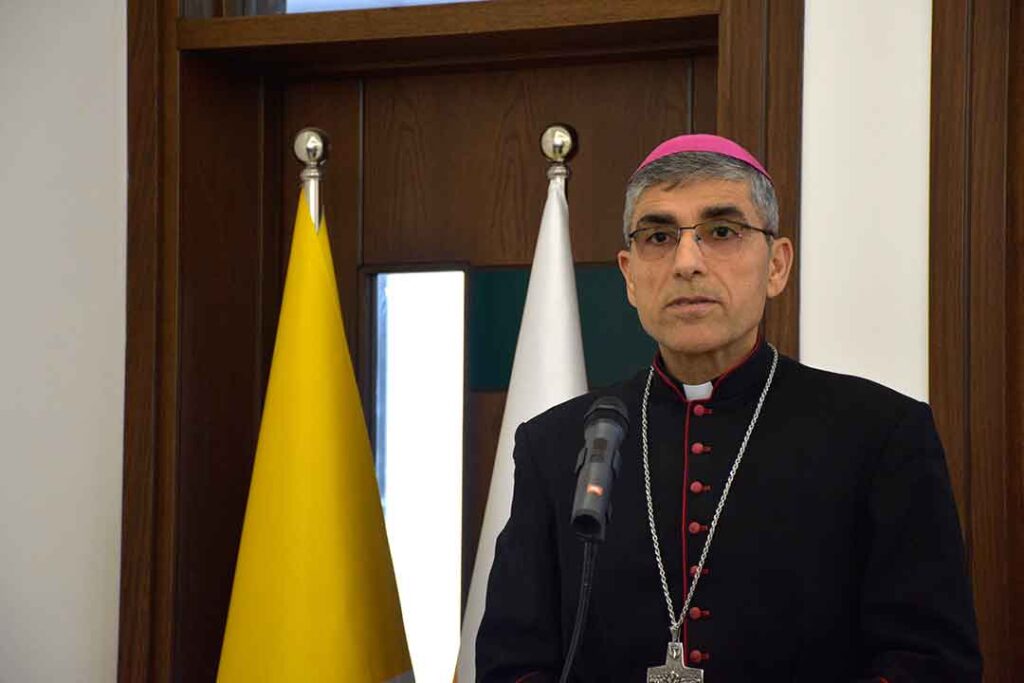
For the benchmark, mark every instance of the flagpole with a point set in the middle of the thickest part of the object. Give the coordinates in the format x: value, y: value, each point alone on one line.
x: 547, y: 369
x: 558, y: 143
x: 311, y: 147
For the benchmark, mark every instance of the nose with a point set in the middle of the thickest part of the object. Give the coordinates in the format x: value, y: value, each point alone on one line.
x: 688, y: 260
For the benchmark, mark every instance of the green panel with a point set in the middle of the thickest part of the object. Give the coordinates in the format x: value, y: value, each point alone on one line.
x: 614, y: 344
x: 496, y: 298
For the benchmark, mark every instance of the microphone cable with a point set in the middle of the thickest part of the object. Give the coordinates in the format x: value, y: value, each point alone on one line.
x: 586, y: 583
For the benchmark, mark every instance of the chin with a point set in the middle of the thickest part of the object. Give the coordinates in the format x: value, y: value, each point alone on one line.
x: 690, y: 340
x: 693, y: 347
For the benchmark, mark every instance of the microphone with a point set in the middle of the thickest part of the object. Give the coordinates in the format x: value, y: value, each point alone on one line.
x: 604, y: 427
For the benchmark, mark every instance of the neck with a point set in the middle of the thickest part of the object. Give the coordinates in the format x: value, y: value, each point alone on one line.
x: 697, y: 368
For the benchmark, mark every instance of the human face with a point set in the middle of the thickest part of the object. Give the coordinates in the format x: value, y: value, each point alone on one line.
x: 704, y: 310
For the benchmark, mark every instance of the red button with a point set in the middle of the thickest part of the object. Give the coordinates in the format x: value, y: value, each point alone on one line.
x: 698, y: 613
x: 703, y: 572
x: 699, y: 487
x: 696, y: 527
x: 696, y: 656
x: 699, y: 410
x: 697, y: 448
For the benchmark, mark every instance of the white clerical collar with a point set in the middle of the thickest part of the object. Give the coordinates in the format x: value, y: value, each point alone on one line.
x: 698, y: 392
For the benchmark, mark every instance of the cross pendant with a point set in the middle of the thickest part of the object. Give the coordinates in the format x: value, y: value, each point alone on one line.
x: 674, y: 670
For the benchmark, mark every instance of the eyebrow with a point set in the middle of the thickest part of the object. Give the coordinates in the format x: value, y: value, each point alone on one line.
x: 722, y: 211
x: 707, y: 213
x: 657, y: 219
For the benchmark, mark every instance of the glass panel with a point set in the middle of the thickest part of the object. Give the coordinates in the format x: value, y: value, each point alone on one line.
x: 207, y: 9
x: 210, y: 9
x: 614, y: 343
x: 296, y: 6
x: 419, y: 339
x: 196, y: 9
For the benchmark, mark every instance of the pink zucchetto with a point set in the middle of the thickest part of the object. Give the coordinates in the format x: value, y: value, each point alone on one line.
x: 704, y: 143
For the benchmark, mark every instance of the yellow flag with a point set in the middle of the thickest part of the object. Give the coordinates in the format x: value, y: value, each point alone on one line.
x: 314, y: 597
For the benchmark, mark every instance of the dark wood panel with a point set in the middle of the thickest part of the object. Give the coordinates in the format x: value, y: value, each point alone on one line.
x: 270, y: 236
x: 219, y: 331
x: 947, y: 287
x: 485, y: 410
x: 516, y: 49
x: 138, y: 488
x: 704, y: 94
x: 445, y: 20
x: 454, y: 171
x: 987, y: 334
x: 783, y: 107
x: 167, y: 352
x: 1015, y: 329
x: 974, y: 309
x: 742, y: 77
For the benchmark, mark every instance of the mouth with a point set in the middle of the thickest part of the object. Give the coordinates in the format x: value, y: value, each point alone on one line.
x: 691, y: 307
x: 691, y: 301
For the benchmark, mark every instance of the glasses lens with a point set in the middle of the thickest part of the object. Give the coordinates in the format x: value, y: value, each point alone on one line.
x: 717, y: 239
x: 655, y: 243
x: 720, y: 238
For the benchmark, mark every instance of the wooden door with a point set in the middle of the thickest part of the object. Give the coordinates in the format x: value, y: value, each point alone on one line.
x: 434, y: 116
x: 453, y: 174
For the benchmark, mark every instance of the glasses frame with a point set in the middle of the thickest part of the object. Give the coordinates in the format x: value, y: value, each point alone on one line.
x: 680, y: 229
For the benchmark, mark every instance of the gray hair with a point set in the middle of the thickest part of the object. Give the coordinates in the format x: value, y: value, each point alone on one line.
x: 684, y: 168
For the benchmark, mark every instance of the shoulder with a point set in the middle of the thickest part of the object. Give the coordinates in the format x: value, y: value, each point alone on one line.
x: 565, y: 420
x: 878, y: 426
x: 841, y: 390
x: 836, y: 397
x: 546, y: 446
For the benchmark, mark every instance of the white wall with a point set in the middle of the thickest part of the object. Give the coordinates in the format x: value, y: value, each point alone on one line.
x: 864, y: 225
x: 62, y: 336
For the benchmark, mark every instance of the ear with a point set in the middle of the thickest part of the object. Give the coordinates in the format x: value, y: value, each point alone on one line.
x: 625, y: 265
x: 780, y: 262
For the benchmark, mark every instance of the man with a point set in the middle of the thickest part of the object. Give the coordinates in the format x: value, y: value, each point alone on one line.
x: 836, y: 554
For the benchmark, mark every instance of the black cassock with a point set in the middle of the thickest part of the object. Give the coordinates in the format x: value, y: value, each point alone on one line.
x: 838, y: 556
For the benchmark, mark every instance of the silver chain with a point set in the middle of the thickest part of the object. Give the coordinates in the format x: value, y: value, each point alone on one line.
x: 674, y: 623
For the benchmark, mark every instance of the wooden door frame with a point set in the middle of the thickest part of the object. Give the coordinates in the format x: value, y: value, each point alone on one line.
x: 975, y: 312
x: 760, y: 44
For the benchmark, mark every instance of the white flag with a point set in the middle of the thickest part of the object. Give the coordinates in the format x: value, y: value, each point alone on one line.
x: 548, y: 369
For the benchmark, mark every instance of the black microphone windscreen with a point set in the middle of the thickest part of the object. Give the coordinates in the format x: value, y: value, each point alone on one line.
x: 608, y: 408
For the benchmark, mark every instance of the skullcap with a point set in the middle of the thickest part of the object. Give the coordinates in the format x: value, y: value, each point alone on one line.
x: 703, y: 143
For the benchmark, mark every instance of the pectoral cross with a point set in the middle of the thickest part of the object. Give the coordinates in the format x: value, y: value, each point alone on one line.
x: 674, y: 670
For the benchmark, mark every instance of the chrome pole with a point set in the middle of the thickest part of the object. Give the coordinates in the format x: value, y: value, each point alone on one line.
x: 310, y: 148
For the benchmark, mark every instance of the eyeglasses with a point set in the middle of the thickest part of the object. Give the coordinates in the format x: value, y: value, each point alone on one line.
x: 717, y: 238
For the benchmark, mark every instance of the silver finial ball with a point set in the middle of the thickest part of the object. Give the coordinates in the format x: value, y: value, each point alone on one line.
x: 558, y: 143
x: 311, y: 146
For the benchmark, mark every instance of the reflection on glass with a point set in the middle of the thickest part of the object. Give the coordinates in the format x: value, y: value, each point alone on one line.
x: 296, y: 6
x: 208, y: 9
x: 419, y: 379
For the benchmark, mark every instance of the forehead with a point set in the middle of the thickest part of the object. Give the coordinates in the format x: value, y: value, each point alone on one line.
x: 687, y: 202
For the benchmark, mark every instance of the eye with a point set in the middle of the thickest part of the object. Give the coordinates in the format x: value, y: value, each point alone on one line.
x: 658, y: 237
x: 721, y: 232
